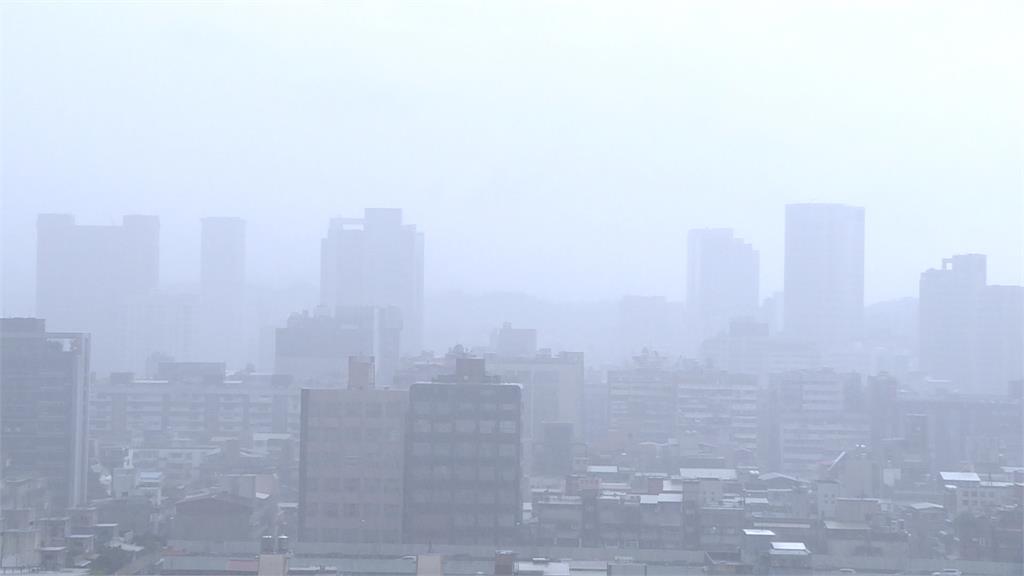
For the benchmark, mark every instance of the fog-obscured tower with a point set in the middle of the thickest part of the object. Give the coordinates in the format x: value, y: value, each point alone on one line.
x: 949, y: 299
x: 314, y: 349
x: 222, y: 275
x: 100, y: 280
x: 722, y: 279
x: 969, y: 332
x: 43, y: 380
x: 375, y: 261
x: 824, y: 272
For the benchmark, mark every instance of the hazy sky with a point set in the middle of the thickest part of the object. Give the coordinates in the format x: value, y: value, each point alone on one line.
x: 561, y: 149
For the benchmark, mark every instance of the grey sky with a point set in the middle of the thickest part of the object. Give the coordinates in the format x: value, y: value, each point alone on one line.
x: 559, y: 149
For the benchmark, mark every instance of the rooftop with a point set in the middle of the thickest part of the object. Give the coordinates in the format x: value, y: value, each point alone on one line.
x: 707, y: 473
x: 959, y: 477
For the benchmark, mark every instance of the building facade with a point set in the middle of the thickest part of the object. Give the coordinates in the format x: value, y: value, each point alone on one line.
x: 192, y: 403
x: 222, y: 282
x: 351, y: 463
x: 824, y: 273
x: 100, y: 280
x: 314, y: 348
x: 463, y: 459
x: 43, y: 385
x: 722, y: 280
x: 375, y: 261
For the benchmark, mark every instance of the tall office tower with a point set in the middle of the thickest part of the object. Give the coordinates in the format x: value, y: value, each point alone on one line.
x: 375, y: 261
x: 222, y: 277
x: 824, y: 276
x: 463, y: 459
x: 1002, y: 337
x: 350, y: 463
x: 43, y: 381
x: 314, y: 348
x: 722, y: 280
x: 969, y: 332
x: 100, y: 280
x: 949, y: 299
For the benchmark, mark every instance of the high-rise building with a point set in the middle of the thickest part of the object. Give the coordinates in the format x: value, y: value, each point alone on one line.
x: 375, y: 261
x: 970, y: 333
x: 949, y: 299
x: 722, y: 280
x: 463, y: 459
x: 222, y: 277
x: 43, y: 382
x: 350, y: 463
x: 824, y: 273
x: 314, y: 348
x: 99, y: 280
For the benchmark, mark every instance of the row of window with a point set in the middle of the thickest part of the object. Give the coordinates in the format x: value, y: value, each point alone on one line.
x: 336, y: 484
x: 389, y: 512
x: 465, y: 426
x: 465, y: 497
x: 461, y: 473
x: 466, y: 450
x: 445, y: 408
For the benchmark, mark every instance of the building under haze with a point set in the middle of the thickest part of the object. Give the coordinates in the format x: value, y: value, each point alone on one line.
x: 824, y: 273
x: 351, y: 461
x: 970, y: 333
x: 377, y: 261
x: 193, y: 403
x: 722, y: 280
x: 314, y: 348
x: 463, y: 459
x: 222, y: 278
x: 99, y: 280
x: 552, y: 392
x: 809, y: 417
x: 43, y: 382
x: 642, y: 402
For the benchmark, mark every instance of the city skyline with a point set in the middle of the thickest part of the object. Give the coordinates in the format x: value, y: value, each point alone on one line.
x: 693, y: 112
x: 511, y: 288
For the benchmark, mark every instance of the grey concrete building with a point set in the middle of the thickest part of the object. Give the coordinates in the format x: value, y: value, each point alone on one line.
x: 824, y: 273
x: 376, y: 261
x: 43, y: 387
x: 100, y: 280
x: 351, y: 461
x: 463, y: 459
